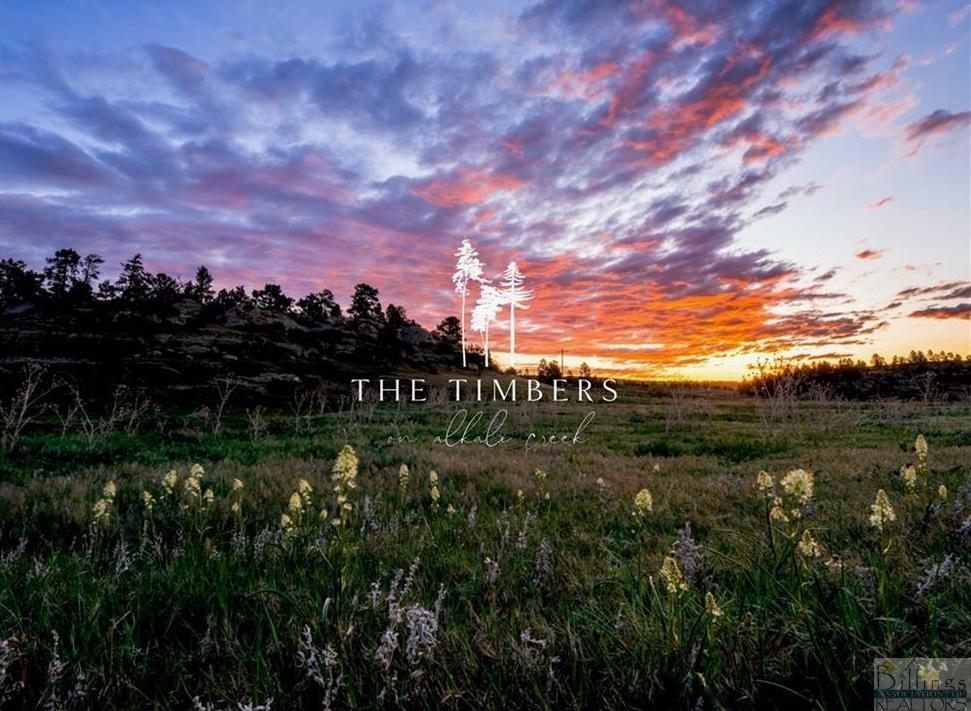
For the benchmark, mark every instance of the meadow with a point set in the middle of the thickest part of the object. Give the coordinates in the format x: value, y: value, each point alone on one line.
x: 697, y: 549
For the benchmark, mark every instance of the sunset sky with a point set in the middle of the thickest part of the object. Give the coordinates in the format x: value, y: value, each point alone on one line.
x: 685, y: 185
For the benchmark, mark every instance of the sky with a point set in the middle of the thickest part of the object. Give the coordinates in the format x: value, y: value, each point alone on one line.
x: 687, y: 186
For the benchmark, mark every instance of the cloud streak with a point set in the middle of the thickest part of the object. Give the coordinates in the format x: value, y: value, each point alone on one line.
x: 962, y: 311
x: 934, y: 125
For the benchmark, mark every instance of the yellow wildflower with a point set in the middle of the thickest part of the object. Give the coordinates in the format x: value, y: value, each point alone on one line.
x: 909, y: 476
x: 435, y: 493
x: 209, y: 497
x: 881, y: 512
x: 799, y: 484
x: 237, y: 484
x: 344, y: 474
x: 193, y: 482
x: 778, y: 515
x: 519, y: 494
x: 450, y: 509
x: 192, y: 488
x: 671, y: 574
x: 711, y: 606
x: 344, y: 470
x: 235, y: 508
x: 920, y: 446
x: 403, y: 476
x: 765, y: 482
x: 101, y: 512
x: 807, y: 546
x: 170, y: 481
x: 643, y: 503
x: 942, y: 491
x: 148, y: 500
x: 296, y: 503
x: 539, y: 475
x: 304, y: 490
x: 286, y: 523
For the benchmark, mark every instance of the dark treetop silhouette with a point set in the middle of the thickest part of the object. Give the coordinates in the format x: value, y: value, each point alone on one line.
x: 155, y: 331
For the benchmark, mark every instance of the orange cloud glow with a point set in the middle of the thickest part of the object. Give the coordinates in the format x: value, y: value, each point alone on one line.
x: 468, y: 187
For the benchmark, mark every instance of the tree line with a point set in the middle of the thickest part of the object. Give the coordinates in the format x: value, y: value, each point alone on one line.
x: 69, y: 280
x: 930, y: 375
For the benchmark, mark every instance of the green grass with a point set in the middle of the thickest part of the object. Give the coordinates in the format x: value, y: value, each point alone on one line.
x: 730, y: 449
x: 194, y: 601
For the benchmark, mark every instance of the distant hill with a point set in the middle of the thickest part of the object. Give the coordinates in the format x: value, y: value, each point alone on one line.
x: 175, y: 351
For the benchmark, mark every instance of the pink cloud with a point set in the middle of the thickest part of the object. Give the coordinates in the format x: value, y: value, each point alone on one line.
x: 466, y: 187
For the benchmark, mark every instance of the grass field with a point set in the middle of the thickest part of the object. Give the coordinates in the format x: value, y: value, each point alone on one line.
x: 519, y: 576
